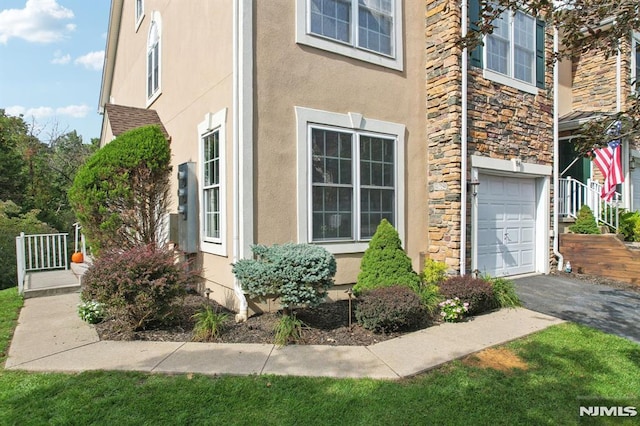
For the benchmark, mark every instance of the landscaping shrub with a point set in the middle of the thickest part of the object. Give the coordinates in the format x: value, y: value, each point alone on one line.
x: 475, y: 291
x: 504, y: 292
x: 120, y: 195
x: 433, y: 274
x: 209, y: 324
x: 299, y: 274
x: 287, y: 330
x: 12, y: 222
x: 138, y: 286
x: 585, y: 222
x: 388, y: 309
x: 385, y: 263
x: 629, y: 225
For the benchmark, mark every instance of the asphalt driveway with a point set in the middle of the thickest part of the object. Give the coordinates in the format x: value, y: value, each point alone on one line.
x: 608, y: 309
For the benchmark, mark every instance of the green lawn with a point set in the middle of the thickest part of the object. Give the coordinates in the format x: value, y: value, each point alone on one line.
x: 564, y: 363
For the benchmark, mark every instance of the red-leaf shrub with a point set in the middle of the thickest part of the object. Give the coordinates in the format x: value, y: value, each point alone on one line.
x: 138, y: 286
x: 390, y: 309
x: 477, y: 292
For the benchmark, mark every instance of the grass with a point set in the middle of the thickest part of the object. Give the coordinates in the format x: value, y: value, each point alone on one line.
x: 563, y: 363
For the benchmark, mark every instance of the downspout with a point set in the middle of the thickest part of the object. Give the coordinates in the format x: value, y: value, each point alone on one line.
x: 243, y: 307
x: 463, y: 148
x: 556, y: 158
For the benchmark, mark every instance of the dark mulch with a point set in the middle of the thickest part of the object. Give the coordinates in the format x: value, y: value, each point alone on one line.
x: 327, y: 324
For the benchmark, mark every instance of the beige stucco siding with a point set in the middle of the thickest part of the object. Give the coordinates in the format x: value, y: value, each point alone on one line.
x: 289, y: 75
x: 196, y: 79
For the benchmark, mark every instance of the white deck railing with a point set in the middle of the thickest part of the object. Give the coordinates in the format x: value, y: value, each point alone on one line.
x: 573, y: 194
x: 40, y: 252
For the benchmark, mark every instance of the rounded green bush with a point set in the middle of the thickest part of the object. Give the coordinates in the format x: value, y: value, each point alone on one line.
x: 389, y: 309
x: 585, y: 222
x: 385, y: 263
x: 120, y: 195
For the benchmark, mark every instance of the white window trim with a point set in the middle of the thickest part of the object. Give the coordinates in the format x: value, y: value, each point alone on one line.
x: 306, y: 117
x: 506, y: 79
x: 155, y: 18
x: 139, y: 18
x: 212, y: 122
x: 635, y: 43
x: 304, y: 36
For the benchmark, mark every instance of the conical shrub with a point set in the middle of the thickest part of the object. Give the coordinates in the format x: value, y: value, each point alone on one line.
x: 585, y: 222
x: 385, y: 263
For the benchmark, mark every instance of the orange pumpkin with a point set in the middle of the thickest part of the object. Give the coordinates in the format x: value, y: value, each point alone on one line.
x: 77, y: 257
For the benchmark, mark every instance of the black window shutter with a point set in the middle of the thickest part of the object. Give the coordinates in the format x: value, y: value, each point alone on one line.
x: 540, y: 62
x: 474, y: 17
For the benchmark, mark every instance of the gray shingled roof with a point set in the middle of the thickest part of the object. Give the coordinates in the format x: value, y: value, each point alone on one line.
x: 123, y: 118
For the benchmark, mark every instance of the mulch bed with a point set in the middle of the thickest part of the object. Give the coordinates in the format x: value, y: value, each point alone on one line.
x: 327, y: 324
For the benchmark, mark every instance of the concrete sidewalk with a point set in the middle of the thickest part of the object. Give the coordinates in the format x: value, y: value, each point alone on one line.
x: 51, y: 337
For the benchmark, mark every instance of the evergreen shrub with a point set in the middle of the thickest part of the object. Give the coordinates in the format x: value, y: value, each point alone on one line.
x: 299, y: 274
x: 388, y: 309
x: 120, y: 195
x: 585, y: 222
x: 385, y: 263
x: 475, y: 291
x: 138, y: 287
x: 629, y: 226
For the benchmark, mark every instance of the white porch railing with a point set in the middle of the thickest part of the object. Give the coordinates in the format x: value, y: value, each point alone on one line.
x: 40, y: 252
x: 573, y: 194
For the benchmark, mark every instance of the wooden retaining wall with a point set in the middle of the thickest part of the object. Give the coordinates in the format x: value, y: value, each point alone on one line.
x: 602, y: 255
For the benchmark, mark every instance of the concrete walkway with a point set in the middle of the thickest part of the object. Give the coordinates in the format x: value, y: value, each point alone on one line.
x: 51, y: 337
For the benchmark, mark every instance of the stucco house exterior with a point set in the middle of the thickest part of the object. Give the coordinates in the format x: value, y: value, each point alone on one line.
x: 309, y: 121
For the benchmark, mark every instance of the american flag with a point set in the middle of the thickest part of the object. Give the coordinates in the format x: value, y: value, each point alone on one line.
x: 609, y: 162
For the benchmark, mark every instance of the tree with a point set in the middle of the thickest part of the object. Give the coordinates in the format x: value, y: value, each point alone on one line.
x: 385, y: 263
x: 582, y: 28
x: 12, y: 183
x: 121, y: 194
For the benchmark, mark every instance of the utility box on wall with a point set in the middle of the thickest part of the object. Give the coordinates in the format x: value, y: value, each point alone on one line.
x: 187, y: 208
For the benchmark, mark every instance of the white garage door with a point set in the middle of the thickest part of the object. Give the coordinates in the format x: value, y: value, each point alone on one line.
x: 506, y: 225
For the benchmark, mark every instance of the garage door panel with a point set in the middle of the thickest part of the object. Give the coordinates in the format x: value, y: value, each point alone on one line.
x: 506, y: 225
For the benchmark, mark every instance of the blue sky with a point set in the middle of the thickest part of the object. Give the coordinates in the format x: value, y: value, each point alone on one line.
x: 51, y: 57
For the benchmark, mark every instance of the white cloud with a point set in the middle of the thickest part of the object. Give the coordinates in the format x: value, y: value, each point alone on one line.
x: 92, y: 60
x: 74, y: 111
x: 60, y: 59
x: 41, y: 21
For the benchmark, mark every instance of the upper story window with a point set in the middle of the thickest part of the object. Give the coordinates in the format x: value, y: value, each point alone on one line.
x: 635, y: 62
x: 153, y: 58
x: 513, y: 53
x: 139, y: 12
x: 369, y: 30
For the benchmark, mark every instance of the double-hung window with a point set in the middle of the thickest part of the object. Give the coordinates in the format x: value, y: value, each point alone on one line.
x: 154, y: 58
x: 369, y: 30
x: 212, y: 183
x: 513, y: 54
x: 350, y: 178
x: 635, y: 62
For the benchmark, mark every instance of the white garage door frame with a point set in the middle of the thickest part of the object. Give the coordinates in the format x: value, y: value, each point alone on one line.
x: 515, y: 168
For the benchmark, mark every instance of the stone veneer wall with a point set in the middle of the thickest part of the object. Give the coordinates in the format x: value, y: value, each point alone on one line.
x: 503, y: 123
x: 443, y: 80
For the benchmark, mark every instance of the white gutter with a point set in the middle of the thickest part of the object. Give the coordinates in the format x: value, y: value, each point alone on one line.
x: 239, y: 137
x: 556, y: 156
x: 463, y: 149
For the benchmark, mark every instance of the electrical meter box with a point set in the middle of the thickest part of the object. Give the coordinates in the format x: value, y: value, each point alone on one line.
x: 187, y: 208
